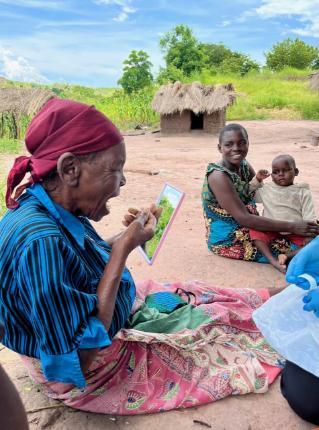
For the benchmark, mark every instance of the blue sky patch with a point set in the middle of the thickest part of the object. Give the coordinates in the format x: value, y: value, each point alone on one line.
x: 86, y: 41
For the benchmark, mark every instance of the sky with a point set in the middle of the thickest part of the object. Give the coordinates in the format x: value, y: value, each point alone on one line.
x: 86, y: 41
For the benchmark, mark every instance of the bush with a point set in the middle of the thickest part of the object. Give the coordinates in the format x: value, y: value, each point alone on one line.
x: 137, y: 72
x: 170, y: 74
x: 292, y: 53
x: 239, y: 64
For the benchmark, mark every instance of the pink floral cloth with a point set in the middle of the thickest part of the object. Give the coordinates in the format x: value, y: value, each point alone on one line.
x: 144, y: 372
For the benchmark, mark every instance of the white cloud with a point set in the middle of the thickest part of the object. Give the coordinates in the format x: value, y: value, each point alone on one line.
x: 124, y: 5
x: 18, y: 68
x: 225, y: 23
x: 306, y: 11
x: 90, y: 58
x: 121, y: 17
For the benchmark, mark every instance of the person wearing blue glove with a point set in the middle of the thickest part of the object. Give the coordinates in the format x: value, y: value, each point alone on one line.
x: 306, y: 261
x: 312, y: 302
x: 299, y: 387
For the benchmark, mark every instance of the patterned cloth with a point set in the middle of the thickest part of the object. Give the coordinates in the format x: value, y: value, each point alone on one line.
x: 150, y: 371
x: 224, y: 235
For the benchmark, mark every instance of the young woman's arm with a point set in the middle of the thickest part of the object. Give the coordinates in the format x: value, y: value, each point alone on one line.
x: 228, y: 199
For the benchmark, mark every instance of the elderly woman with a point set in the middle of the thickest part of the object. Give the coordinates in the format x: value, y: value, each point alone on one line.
x: 70, y: 306
x: 229, y: 207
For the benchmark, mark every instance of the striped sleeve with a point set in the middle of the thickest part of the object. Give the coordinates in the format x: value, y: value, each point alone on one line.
x: 51, y: 278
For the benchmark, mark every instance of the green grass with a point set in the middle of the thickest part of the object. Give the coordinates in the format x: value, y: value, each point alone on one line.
x: 2, y: 198
x: 10, y: 146
x: 262, y: 95
x: 7, y: 146
x: 268, y: 95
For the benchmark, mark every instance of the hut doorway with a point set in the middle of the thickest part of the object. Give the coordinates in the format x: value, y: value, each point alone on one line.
x: 197, y: 121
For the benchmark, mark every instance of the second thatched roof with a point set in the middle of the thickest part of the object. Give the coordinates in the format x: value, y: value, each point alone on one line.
x: 199, y: 98
x: 23, y: 101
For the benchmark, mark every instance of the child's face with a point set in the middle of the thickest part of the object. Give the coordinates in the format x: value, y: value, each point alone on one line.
x: 234, y: 147
x: 283, y: 172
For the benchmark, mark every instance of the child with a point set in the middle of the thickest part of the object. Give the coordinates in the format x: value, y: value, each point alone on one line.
x: 282, y: 200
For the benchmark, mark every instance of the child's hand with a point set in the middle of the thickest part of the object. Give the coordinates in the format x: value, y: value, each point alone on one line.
x: 262, y: 174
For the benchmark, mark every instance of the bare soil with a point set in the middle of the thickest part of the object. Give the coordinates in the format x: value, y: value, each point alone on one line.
x: 182, y: 161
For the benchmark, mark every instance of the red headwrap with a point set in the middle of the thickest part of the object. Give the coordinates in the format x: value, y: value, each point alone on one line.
x: 61, y: 126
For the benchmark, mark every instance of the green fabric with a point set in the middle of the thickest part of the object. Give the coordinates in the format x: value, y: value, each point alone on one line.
x: 240, y: 182
x: 151, y: 320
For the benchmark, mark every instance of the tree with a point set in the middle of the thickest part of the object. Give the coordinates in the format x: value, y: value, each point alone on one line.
x: 170, y: 74
x: 137, y: 72
x: 182, y: 50
x: 238, y: 63
x: 218, y: 56
x: 215, y: 54
x: 292, y: 53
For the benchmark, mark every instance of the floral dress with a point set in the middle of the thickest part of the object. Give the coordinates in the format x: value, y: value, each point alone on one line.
x: 224, y: 235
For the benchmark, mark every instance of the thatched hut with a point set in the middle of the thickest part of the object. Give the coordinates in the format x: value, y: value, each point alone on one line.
x: 184, y: 108
x: 18, y: 106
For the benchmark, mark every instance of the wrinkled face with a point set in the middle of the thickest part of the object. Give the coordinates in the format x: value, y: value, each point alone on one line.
x: 283, y: 172
x: 234, y: 147
x: 100, y: 181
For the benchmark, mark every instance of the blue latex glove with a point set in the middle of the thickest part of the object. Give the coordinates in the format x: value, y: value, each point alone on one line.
x: 312, y: 302
x: 306, y: 261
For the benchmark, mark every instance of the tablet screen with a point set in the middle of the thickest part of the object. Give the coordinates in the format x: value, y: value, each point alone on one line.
x: 169, y: 200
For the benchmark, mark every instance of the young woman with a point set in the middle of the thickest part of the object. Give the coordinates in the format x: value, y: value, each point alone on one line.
x: 229, y: 208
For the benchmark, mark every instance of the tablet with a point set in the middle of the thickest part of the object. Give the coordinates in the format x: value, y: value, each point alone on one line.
x: 169, y: 200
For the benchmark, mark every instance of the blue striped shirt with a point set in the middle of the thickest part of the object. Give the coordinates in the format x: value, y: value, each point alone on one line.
x: 50, y: 265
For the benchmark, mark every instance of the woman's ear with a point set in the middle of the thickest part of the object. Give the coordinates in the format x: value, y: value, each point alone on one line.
x: 69, y: 169
x: 219, y: 147
x: 296, y: 171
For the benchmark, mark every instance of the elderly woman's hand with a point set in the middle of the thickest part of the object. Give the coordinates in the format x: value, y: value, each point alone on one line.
x: 132, y: 213
x: 139, y: 230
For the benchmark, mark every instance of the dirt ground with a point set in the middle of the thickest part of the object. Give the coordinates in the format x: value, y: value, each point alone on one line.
x: 182, y: 161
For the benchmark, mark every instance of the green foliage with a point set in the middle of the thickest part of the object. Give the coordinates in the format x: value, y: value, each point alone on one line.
x: 129, y: 110
x: 170, y: 74
x: 10, y: 146
x: 263, y: 95
x: 2, y: 198
x: 182, y: 50
x: 12, y: 126
x: 239, y: 64
x: 219, y: 58
x: 292, y: 53
x: 137, y: 72
x: 215, y: 54
x: 167, y: 211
